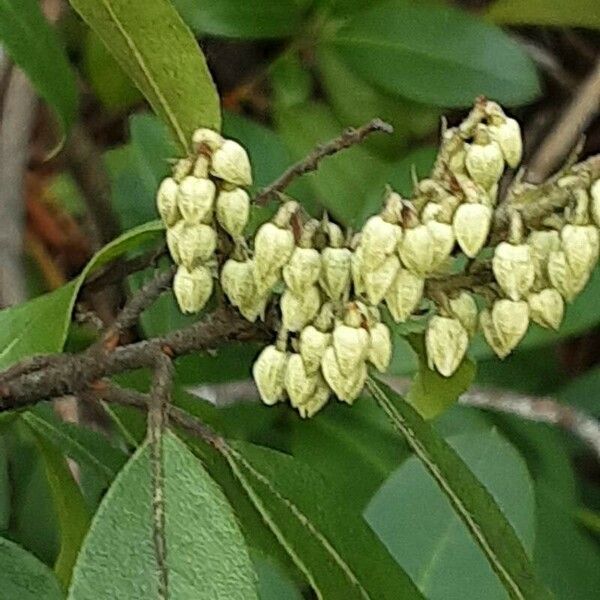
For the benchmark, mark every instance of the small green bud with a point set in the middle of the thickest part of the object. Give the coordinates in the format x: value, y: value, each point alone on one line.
x: 269, y: 375
x: 208, y: 138
x: 230, y: 162
x: 446, y: 341
x: 404, y: 295
x: 318, y: 400
x: 506, y: 325
x: 273, y: 247
x: 166, y: 201
x: 351, y: 345
x: 378, y: 241
x: 464, y: 308
x: 299, y: 384
x: 237, y: 281
x: 378, y: 281
x: 471, y: 225
x: 547, y: 308
x: 508, y: 136
x: 443, y: 241
x: 514, y: 269
x: 417, y: 250
x: 303, y: 269
x: 233, y: 211
x: 485, y: 163
x: 195, y: 244
x: 542, y: 243
x: 380, y: 347
x: 563, y: 278
x: 313, y: 344
x: 347, y: 387
x: 335, y: 272
x: 299, y: 310
x: 195, y: 200
x: 193, y: 288
x: 580, y: 245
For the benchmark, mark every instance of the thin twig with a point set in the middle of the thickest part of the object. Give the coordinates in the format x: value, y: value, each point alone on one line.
x: 563, y: 137
x: 349, y: 138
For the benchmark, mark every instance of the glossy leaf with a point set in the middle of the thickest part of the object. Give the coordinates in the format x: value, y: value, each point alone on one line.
x: 435, y: 54
x: 242, y: 19
x: 471, y: 501
x: 416, y: 522
x: 431, y: 393
x: 35, y: 47
x: 71, y: 510
x: 205, y: 551
x: 24, y: 577
x: 160, y: 54
x: 332, y: 546
x: 556, y: 13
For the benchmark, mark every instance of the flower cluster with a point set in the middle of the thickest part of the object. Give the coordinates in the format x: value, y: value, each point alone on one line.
x: 455, y: 255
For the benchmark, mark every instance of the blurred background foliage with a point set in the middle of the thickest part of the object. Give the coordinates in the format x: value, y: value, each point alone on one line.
x: 292, y: 74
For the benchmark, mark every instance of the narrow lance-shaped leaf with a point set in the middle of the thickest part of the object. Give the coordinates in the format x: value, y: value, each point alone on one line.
x: 469, y: 498
x: 157, y: 50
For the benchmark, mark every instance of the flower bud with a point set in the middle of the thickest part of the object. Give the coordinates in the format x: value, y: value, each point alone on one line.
x: 595, y: 202
x: 514, y: 269
x: 404, y: 295
x: 269, y: 374
x: 580, y: 245
x: 378, y: 281
x: 542, y: 243
x: 335, y: 272
x: 508, y: 136
x: 207, y: 137
x: 237, y: 281
x: 347, y: 387
x: 299, y: 310
x: 485, y: 163
x: 166, y: 201
x: 443, y: 241
x: 318, y: 400
x: 193, y: 288
x: 491, y: 335
x: 471, y: 225
x: 299, y: 385
x: 230, y: 162
x: 358, y: 270
x: 195, y: 200
x: 446, y: 341
x: 351, y: 345
x: 464, y: 308
x: 510, y: 320
x: 417, y: 250
x: 273, y: 247
x: 547, y: 308
x: 195, y: 244
x: 233, y: 210
x: 303, y: 270
x: 378, y: 240
x: 380, y: 347
x: 563, y: 278
x: 431, y: 211
x: 313, y: 344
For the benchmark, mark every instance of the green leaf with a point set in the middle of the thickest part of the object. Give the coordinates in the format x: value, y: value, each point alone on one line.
x: 273, y: 582
x: 24, y: 577
x: 160, y: 54
x: 5, y: 491
x: 435, y: 54
x: 242, y: 19
x: 71, y: 510
x: 35, y: 47
x: 471, y: 501
x: 419, y: 161
x: 431, y: 393
x: 556, y: 13
x: 417, y: 524
x: 40, y: 326
x: 332, y: 546
x: 205, y: 550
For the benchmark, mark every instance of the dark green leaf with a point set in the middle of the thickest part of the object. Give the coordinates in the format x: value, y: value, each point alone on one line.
x: 273, y: 583
x: 419, y: 161
x: 160, y: 54
x: 205, y: 551
x: 242, y: 19
x: 5, y: 491
x: 431, y: 393
x: 71, y: 510
x: 557, y: 13
x: 332, y: 546
x: 435, y: 54
x: 24, y: 577
x: 34, y: 46
x: 416, y: 522
x: 471, y: 501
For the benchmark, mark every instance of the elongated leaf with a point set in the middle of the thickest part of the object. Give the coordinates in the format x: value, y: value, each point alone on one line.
x: 435, y: 54
x: 34, y: 46
x: 41, y: 325
x: 575, y: 13
x: 72, y: 513
x: 470, y: 499
x: 160, y: 54
x: 5, y: 491
x: 205, y: 551
x: 242, y: 19
x: 341, y: 558
x: 24, y: 577
x: 418, y: 525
